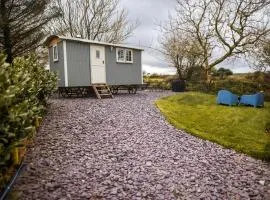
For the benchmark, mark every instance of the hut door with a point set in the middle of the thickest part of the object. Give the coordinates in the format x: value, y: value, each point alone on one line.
x: 97, y: 59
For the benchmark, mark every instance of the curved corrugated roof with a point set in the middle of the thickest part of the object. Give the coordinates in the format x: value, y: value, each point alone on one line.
x: 47, y: 41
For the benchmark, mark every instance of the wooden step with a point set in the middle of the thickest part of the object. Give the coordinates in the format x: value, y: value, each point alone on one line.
x: 99, y: 86
x: 102, y: 90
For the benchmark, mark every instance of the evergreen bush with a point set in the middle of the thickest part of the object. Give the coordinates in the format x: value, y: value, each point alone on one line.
x: 25, y: 86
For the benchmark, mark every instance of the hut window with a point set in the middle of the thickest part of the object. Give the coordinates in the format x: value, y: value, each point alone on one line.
x: 124, y: 55
x: 129, y: 56
x: 55, y: 53
x: 97, y: 54
x: 120, y: 55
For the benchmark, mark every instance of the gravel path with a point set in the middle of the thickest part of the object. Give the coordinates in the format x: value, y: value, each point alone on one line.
x: 123, y: 148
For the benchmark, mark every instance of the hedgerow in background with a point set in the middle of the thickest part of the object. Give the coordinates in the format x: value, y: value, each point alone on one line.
x: 25, y: 86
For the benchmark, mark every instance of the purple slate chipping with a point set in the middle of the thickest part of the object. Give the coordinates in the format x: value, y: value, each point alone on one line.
x: 90, y: 149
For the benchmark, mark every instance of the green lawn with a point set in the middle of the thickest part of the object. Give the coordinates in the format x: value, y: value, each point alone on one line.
x: 241, y: 128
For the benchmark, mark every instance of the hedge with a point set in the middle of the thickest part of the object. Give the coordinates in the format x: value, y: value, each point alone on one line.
x: 238, y: 87
x: 25, y: 86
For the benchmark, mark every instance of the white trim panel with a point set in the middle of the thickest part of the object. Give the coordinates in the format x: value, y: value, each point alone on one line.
x: 124, y: 55
x: 49, y: 59
x: 65, y: 62
x: 141, y: 67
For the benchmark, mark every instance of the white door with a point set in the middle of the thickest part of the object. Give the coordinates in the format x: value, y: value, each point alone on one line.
x: 97, y: 58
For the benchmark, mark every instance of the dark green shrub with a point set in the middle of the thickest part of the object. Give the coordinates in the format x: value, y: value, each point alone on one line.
x: 24, y: 87
x: 196, y: 86
x: 243, y: 87
x: 238, y: 87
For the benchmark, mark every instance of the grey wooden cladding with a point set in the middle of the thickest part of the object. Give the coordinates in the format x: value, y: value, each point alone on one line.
x: 58, y: 66
x: 122, y: 73
x: 78, y: 64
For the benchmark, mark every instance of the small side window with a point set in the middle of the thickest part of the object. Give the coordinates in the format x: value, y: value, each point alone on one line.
x: 55, y: 53
x: 129, y: 56
x: 120, y: 55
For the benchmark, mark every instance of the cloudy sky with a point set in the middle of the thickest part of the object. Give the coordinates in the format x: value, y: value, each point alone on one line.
x: 150, y: 13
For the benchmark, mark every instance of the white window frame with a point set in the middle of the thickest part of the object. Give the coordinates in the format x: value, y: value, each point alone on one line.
x: 126, y: 51
x: 55, y: 47
x: 125, y: 55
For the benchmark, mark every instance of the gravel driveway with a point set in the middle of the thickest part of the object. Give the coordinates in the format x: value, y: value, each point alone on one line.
x: 123, y: 148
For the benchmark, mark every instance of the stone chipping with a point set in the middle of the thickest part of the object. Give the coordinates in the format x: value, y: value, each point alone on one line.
x: 123, y: 148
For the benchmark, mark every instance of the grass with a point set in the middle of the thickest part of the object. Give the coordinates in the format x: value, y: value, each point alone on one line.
x: 241, y: 128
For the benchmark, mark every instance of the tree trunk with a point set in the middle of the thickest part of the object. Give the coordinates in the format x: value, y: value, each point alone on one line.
x: 8, y: 45
x: 179, y: 73
x: 208, y: 80
x: 206, y: 75
x: 6, y: 32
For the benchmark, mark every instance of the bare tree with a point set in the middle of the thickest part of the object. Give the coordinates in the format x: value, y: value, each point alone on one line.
x: 260, y: 57
x: 180, y: 50
x: 100, y: 20
x: 222, y: 28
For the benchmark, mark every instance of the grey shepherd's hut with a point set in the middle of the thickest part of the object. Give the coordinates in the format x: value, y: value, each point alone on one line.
x: 80, y: 62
